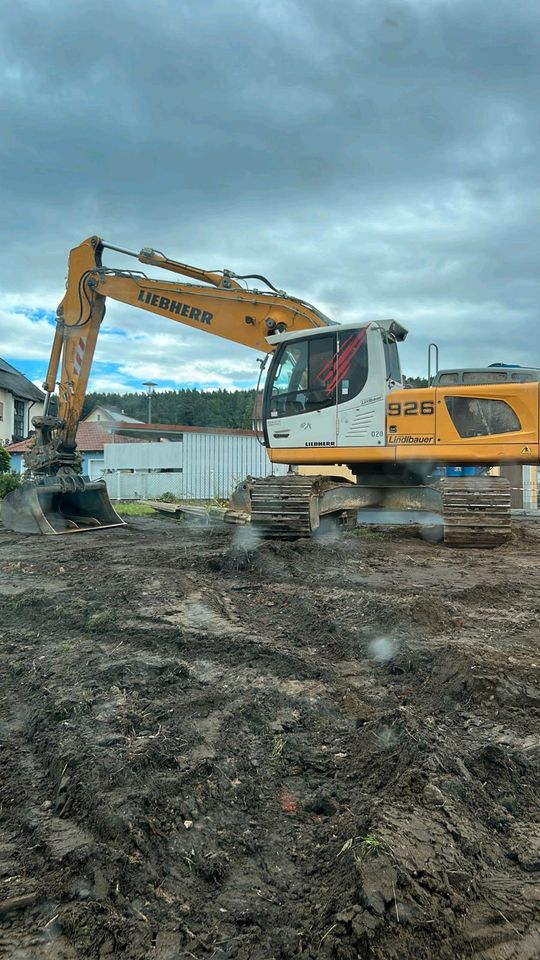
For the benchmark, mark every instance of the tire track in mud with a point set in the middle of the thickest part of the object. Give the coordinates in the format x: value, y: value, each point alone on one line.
x: 30, y: 834
x: 218, y: 737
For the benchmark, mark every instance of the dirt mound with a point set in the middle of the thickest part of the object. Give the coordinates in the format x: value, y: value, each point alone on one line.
x: 217, y: 748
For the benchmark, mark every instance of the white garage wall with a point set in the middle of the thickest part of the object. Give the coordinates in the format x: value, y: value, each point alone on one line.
x: 203, y: 466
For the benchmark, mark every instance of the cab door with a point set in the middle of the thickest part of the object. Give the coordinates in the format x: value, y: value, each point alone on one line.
x: 361, y: 387
x: 300, y: 394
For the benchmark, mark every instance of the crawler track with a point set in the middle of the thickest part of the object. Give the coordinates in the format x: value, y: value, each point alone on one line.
x: 284, y: 508
x: 476, y: 511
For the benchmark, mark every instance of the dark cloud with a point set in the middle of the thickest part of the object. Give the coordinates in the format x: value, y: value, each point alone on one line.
x: 378, y: 158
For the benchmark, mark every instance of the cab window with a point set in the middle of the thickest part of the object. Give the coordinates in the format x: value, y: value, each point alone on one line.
x: 391, y: 353
x: 351, y: 367
x: 304, y: 380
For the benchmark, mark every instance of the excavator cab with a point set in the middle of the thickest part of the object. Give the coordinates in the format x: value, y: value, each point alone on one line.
x: 327, y: 387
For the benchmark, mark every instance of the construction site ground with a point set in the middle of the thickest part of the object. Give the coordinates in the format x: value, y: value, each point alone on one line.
x: 213, y: 748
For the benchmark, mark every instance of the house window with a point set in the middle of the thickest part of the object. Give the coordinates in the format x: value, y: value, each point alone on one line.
x: 18, y: 421
x: 1, y: 411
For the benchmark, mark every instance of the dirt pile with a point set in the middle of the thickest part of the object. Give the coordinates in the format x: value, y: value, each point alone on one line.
x: 213, y: 748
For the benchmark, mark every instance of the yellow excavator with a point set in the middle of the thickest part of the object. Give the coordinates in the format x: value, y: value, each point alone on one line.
x: 333, y: 394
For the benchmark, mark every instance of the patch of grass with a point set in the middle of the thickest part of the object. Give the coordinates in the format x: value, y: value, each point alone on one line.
x: 277, y: 748
x: 100, y: 619
x: 367, y: 533
x: 70, y: 644
x: 370, y: 844
x: 134, y: 510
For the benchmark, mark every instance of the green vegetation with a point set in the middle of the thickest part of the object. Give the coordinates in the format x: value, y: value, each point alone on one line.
x: 370, y: 844
x: 5, y: 460
x: 100, y: 619
x: 415, y: 381
x: 134, y: 510
x: 367, y: 533
x: 8, y: 481
x: 192, y: 408
x: 278, y: 744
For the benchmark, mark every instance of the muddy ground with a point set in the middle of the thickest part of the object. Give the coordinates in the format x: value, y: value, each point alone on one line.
x: 215, y: 750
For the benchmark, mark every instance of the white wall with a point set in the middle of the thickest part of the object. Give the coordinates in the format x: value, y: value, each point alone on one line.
x: 201, y: 467
x: 99, y: 414
x: 6, y: 424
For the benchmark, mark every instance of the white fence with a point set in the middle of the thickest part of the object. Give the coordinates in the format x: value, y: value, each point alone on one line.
x: 203, y: 466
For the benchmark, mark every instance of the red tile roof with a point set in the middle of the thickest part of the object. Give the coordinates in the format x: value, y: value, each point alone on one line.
x: 179, y: 428
x: 90, y: 436
x: 94, y: 435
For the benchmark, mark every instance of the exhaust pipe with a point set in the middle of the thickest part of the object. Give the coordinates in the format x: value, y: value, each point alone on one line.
x: 47, y: 507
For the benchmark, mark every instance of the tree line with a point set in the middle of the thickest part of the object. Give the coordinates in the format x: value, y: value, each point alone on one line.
x: 191, y: 408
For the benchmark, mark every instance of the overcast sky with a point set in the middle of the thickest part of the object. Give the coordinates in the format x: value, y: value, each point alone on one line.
x: 379, y: 159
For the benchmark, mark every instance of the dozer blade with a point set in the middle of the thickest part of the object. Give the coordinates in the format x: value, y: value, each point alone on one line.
x: 48, y: 508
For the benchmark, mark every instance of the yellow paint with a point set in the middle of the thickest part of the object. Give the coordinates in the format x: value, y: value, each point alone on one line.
x: 330, y: 471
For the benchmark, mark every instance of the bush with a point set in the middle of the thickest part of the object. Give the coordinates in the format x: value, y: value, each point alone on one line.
x: 8, y: 482
x: 5, y: 460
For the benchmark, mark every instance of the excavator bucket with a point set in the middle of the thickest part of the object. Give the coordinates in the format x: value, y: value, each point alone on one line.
x: 47, y: 508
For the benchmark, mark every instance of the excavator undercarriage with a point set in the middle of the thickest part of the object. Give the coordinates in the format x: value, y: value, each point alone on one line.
x: 473, y: 511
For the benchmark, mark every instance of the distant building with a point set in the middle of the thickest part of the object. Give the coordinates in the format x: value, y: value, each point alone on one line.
x: 201, y: 463
x: 92, y: 439
x: 193, y: 463
x: 20, y: 400
x: 174, y: 432
x: 108, y: 414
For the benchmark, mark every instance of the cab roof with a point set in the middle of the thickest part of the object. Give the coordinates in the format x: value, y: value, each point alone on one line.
x: 392, y: 327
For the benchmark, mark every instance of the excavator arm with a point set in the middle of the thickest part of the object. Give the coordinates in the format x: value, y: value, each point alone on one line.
x: 58, y: 499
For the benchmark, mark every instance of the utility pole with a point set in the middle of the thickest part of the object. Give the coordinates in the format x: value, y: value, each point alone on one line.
x: 150, y: 384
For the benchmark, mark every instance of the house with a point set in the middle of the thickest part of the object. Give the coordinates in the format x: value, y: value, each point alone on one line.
x: 20, y: 400
x: 92, y: 439
x: 101, y: 413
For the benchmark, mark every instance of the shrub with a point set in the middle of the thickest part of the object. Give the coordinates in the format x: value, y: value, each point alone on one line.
x: 5, y: 460
x: 8, y: 482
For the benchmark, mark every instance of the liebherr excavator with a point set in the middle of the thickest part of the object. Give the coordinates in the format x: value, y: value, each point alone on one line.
x: 333, y: 395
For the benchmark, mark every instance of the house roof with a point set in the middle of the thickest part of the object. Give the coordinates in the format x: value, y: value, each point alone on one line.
x: 90, y: 437
x: 163, y: 428
x: 17, y: 384
x: 113, y: 413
